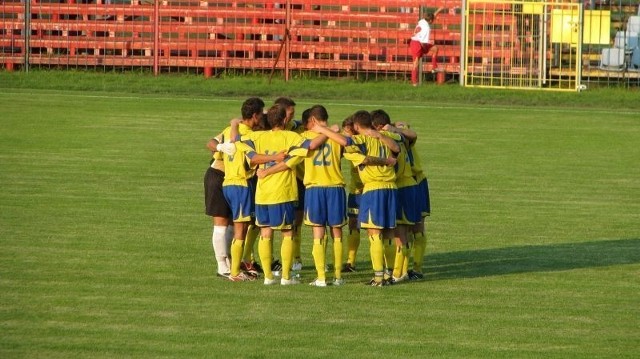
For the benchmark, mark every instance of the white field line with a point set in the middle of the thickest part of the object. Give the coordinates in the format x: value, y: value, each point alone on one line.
x: 346, y: 104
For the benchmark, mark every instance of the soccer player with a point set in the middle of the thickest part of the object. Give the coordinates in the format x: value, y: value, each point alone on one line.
x: 237, y: 186
x: 354, y: 188
x: 423, y: 201
x: 276, y: 194
x: 325, y: 197
x: 217, y: 207
x: 297, y: 127
x: 371, y: 152
x: 407, y: 212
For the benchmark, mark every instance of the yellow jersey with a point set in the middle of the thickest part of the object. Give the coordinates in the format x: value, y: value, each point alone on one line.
x: 279, y: 187
x: 416, y: 164
x: 237, y: 170
x: 355, y: 183
x: 373, y: 177
x: 322, y: 165
x: 404, y: 173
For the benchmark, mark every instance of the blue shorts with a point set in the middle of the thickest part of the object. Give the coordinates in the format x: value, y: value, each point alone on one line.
x: 422, y: 198
x: 378, y: 209
x: 241, y: 202
x: 407, y: 209
x: 276, y: 216
x: 325, y: 206
x: 353, y: 204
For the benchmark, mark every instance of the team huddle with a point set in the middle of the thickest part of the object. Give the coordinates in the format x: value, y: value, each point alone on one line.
x: 271, y: 173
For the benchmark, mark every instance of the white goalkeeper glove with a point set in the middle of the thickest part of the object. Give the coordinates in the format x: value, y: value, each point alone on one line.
x: 226, y: 148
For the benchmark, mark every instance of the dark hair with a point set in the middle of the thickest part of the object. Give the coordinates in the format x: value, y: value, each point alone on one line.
x: 429, y: 17
x: 380, y: 118
x: 276, y: 116
x: 252, y: 106
x: 347, y: 122
x: 319, y: 112
x: 284, y: 101
x: 362, y: 118
x: 306, y: 114
x: 263, y: 123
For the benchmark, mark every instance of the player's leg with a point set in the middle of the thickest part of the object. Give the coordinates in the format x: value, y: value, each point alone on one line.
x: 265, y: 243
x: 219, y: 243
x: 337, y: 255
x: 353, y: 243
x: 297, y: 229
x: 217, y: 207
x: 248, y: 259
x: 377, y: 211
x: 402, y: 251
x: 240, y: 201
x: 419, y: 229
x: 407, y: 214
x: 353, y: 240
x: 282, y: 218
x: 319, y: 257
x: 388, y: 240
x: 419, y: 246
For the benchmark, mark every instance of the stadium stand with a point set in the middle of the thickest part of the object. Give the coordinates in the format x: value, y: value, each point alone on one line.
x: 350, y: 36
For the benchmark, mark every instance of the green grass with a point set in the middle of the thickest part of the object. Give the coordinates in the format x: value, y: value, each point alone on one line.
x: 533, y: 245
x: 226, y: 85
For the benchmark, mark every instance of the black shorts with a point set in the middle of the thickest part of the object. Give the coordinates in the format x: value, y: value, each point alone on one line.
x: 299, y: 205
x: 214, y: 202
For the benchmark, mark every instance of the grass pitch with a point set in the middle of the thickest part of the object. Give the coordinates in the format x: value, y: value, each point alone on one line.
x: 533, y: 246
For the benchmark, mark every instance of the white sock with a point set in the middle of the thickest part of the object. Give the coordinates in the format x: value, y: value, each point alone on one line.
x: 220, y: 249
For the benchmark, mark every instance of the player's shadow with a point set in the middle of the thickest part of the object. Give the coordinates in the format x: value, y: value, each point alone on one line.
x: 534, y: 258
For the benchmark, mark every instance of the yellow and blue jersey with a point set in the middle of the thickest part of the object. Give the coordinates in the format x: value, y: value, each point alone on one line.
x: 373, y: 177
x: 322, y: 166
x: 279, y: 187
x: 416, y: 164
x: 404, y: 172
x: 236, y: 170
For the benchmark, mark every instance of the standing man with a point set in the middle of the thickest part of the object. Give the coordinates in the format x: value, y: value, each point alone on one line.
x: 277, y: 194
x: 353, y: 204
x: 407, y: 210
x: 216, y: 206
x: 237, y: 187
x: 372, y: 152
x: 421, y: 44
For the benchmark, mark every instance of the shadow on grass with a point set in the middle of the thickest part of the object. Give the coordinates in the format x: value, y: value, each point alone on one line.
x: 525, y: 259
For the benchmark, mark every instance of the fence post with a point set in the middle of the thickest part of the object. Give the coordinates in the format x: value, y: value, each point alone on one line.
x: 156, y: 37
x: 27, y: 34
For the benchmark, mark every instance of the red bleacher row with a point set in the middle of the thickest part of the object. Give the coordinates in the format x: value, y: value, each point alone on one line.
x: 360, y: 36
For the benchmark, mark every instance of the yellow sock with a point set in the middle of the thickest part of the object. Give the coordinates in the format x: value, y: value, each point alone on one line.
x: 249, y: 243
x: 407, y: 258
x: 389, y: 253
x: 353, y: 243
x: 419, y: 247
x: 286, y: 254
x: 337, y: 257
x: 265, y: 253
x: 236, y: 256
x: 325, y: 241
x: 296, y: 243
x: 319, y: 258
x: 397, y: 262
x: 376, y: 250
